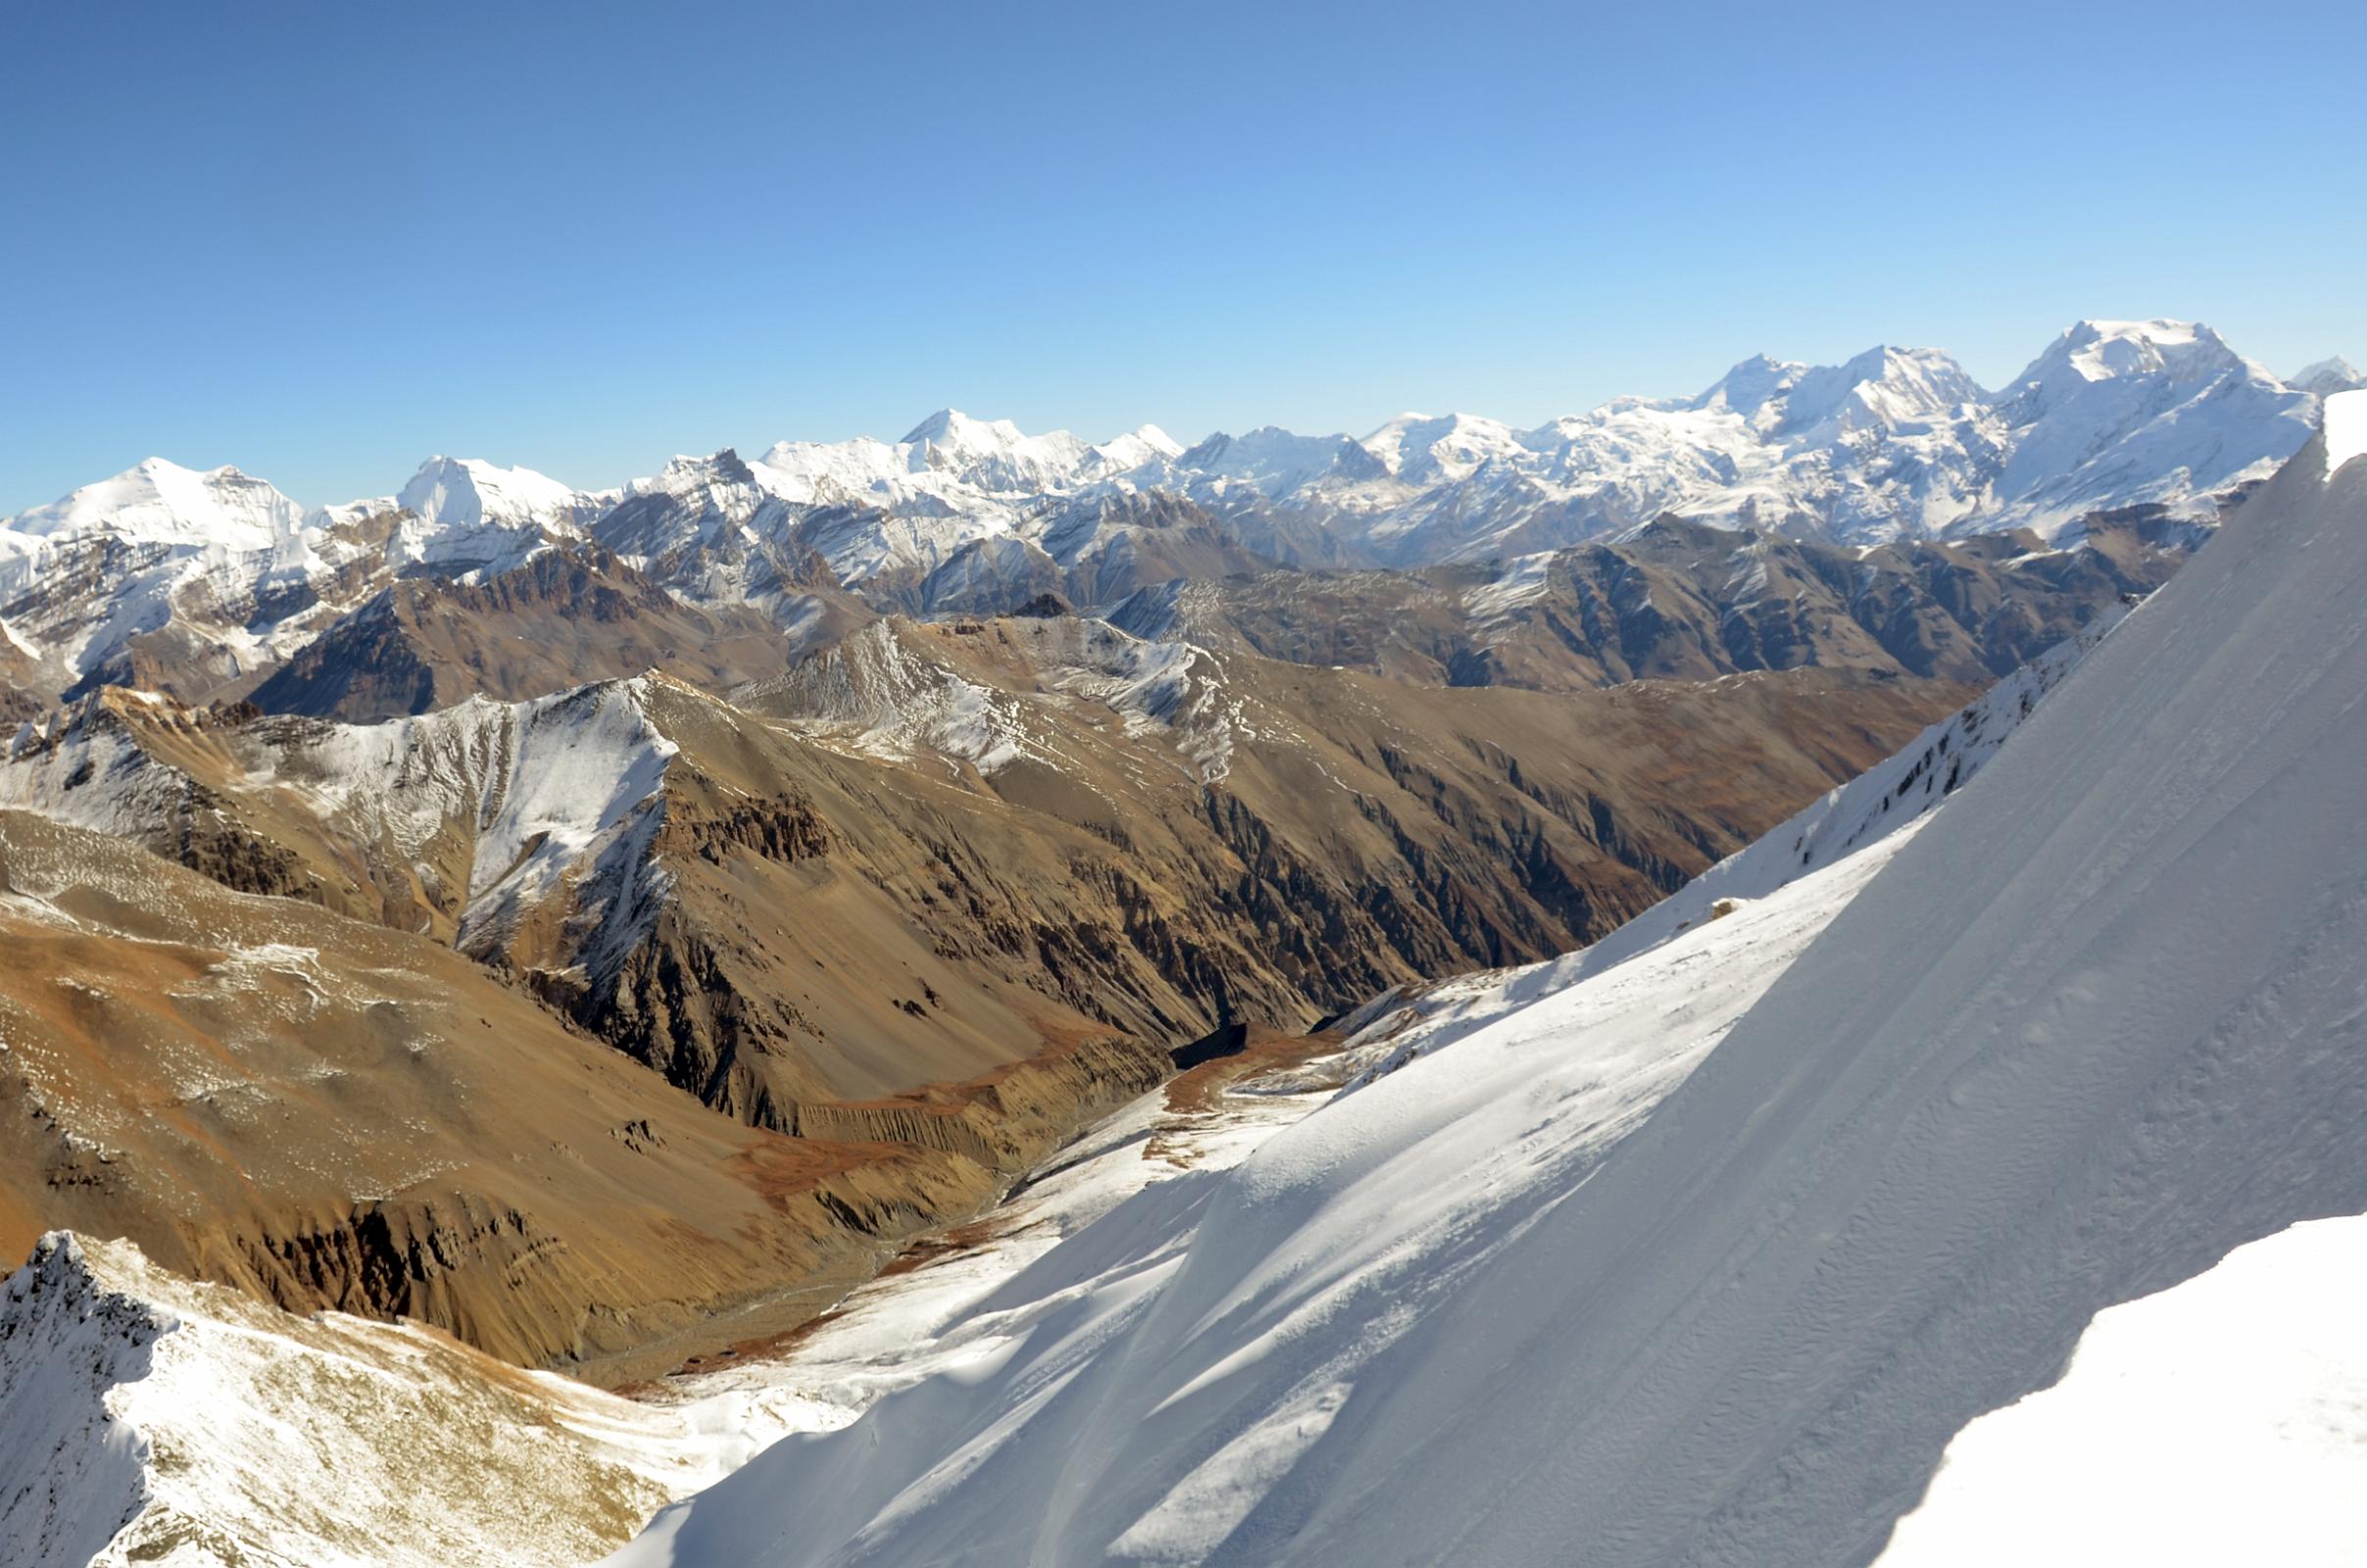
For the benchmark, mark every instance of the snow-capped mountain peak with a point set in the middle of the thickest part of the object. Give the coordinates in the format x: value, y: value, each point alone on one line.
x: 470, y: 492
x: 1423, y: 448
x: 2123, y: 413
x: 1751, y: 385
x: 468, y: 515
x: 1883, y: 388
x: 956, y: 431
x: 2103, y: 350
x: 991, y: 454
x: 1269, y: 458
x: 157, y: 501
x: 1138, y: 448
x: 2328, y: 376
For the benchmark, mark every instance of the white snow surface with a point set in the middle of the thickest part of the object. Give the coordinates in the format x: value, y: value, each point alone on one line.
x: 2221, y: 1421
x: 1708, y: 1256
x: 213, y: 1428
x: 985, y: 1415
x: 161, y: 502
x: 2346, y: 428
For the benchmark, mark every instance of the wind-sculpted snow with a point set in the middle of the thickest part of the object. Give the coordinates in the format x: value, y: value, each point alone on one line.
x: 1707, y: 1256
x: 1038, y: 1372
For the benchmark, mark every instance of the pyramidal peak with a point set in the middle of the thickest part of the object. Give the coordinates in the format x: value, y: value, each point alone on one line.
x: 470, y: 492
x: 950, y: 427
x: 2328, y: 376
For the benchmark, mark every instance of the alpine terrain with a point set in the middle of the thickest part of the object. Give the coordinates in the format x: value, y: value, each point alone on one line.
x: 1726, y: 979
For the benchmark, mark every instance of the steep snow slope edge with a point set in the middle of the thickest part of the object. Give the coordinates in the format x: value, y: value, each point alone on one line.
x: 2247, y: 1381
x: 1886, y: 798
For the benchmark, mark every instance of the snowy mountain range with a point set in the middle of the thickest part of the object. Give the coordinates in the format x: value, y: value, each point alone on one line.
x: 1897, y: 444
x: 1923, y: 1184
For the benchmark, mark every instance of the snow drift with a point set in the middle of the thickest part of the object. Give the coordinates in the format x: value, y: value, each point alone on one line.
x: 1713, y: 1273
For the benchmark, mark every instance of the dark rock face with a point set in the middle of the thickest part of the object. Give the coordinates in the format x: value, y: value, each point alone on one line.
x: 566, y: 617
x: 367, y: 666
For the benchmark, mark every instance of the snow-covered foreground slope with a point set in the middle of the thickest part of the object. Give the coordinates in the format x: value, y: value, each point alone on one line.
x: 2223, y: 1420
x: 1713, y: 1271
x: 211, y: 1429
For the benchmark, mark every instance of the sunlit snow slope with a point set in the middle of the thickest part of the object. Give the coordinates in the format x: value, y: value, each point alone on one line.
x: 1555, y: 1293
x: 2247, y: 1382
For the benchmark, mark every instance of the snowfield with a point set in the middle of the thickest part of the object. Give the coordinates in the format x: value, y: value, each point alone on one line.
x: 1711, y: 1255
x: 2219, y: 1421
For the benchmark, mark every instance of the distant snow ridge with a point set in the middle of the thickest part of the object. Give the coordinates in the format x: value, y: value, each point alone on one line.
x: 1895, y: 443
x: 2328, y: 376
x: 1706, y: 1256
x: 231, y: 564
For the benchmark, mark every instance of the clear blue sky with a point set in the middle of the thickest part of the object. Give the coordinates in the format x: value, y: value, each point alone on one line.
x: 323, y: 240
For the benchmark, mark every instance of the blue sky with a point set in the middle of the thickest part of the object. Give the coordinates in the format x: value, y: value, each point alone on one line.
x: 321, y: 241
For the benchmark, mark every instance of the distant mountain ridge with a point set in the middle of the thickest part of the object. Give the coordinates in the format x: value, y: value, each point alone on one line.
x: 207, y: 584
